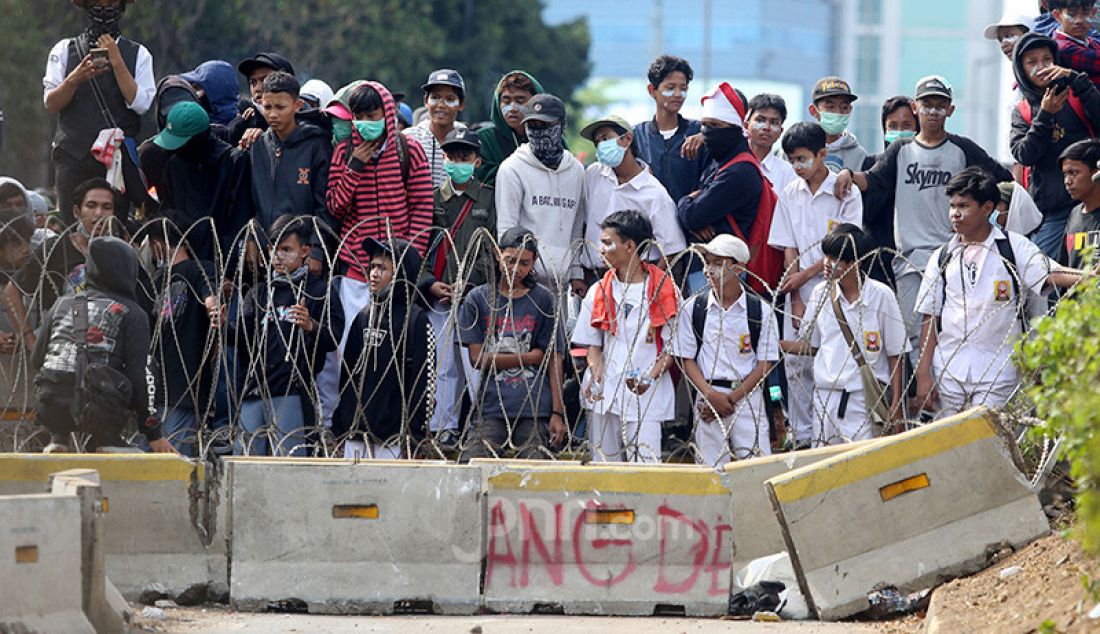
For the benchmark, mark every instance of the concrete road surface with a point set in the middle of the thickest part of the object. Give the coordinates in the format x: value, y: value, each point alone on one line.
x: 196, y: 620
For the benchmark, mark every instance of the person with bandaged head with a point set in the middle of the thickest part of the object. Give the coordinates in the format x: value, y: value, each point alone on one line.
x: 95, y: 81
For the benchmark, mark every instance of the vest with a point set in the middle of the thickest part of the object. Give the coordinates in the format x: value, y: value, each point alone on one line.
x: 80, y: 122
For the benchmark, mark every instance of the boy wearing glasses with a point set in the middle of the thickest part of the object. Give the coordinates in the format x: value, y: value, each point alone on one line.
x: 917, y: 171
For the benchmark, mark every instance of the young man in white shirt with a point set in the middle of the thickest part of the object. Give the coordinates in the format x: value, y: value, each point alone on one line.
x: 626, y: 320
x: 727, y: 341
x: 870, y: 312
x: 807, y: 210
x: 974, y: 300
x: 767, y: 113
x: 618, y: 181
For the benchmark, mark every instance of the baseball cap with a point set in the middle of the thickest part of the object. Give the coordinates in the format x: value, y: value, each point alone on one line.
x: 546, y: 108
x: 727, y: 246
x: 519, y: 238
x: 832, y: 87
x: 933, y: 86
x: 405, y: 113
x: 464, y: 138
x: 270, y: 60
x: 186, y: 120
x: 318, y: 91
x: 1007, y: 19
x: 446, y: 77
x: 613, y: 121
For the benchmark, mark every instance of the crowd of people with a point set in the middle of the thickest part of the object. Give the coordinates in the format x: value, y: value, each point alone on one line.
x: 307, y: 271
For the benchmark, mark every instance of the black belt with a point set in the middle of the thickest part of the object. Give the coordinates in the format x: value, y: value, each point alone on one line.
x: 724, y: 384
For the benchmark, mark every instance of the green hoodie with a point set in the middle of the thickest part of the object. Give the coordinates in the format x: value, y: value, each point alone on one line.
x: 498, y: 141
x: 341, y: 130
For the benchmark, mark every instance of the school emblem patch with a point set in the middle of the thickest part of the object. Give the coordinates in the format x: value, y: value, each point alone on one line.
x: 872, y: 341
x: 745, y: 344
x: 1002, y: 290
x: 303, y: 176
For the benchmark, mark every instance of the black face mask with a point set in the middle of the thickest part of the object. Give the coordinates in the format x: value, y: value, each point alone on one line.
x: 105, y: 20
x: 721, y: 141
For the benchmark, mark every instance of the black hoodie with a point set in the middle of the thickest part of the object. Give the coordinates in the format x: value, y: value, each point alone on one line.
x: 1039, y: 144
x: 733, y: 192
x: 291, y: 176
x: 388, y: 376
x: 118, y: 330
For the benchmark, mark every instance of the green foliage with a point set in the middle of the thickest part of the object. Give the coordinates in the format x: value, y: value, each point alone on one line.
x: 1048, y: 627
x: 397, y: 42
x: 1063, y: 358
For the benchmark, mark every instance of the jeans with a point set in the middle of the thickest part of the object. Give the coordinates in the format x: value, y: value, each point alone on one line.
x: 1050, y: 235
x: 489, y: 437
x: 180, y: 426
x: 284, y: 414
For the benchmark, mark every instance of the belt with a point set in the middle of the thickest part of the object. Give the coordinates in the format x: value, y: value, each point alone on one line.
x: 724, y: 384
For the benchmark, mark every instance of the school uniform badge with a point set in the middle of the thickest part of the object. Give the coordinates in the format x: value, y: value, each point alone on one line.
x: 1002, y: 291
x: 744, y: 344
x: 872, y: 341
x: 303, y: 176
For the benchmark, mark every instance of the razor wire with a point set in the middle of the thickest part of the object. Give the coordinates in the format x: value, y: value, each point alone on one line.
x: 230, y: 369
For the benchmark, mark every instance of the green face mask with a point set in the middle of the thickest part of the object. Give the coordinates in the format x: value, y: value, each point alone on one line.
x: 460, y: 173
x: 834, y: 123
x: 370, y: 130
x: 897, y: 135
x: 341, y: 130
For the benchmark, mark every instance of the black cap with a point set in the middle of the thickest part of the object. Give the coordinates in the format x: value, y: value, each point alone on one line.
x: 446, y: 77
x: 465, y: 138
x: 270, y: 60
x: 832, y: 87
x: 933, y: 86
x: 519, y: 238
x: 546, y: 108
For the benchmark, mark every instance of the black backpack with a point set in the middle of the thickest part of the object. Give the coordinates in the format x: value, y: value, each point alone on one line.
x: 102, y: 394
x: 753, y: 308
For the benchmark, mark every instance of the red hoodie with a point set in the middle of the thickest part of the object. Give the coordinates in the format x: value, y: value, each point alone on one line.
x: 364, y: 198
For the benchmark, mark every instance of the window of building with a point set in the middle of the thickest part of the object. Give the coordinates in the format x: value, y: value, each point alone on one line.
x: 870, y: 12
x: 867, y: 64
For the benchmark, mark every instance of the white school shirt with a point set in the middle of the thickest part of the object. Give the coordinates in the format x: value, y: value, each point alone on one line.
x: 725, y: 352
x: 876, y: 323
x: 980, y: 321
x: 642, y: 193
x: 803, y: 218
x: 628, y: 349
x: 143, y: 75
x: 778, y: 171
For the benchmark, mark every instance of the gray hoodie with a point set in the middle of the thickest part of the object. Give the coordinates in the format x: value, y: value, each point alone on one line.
x: 845, y: 152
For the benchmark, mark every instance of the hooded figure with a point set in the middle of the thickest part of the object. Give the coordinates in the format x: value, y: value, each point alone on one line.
x: 117, y: 332
x: 1039, y: 139
x: 218, y: 80
x: 388, y: 195
x: 389, y: 356
x: 14, y: 197
x: 498, y: 141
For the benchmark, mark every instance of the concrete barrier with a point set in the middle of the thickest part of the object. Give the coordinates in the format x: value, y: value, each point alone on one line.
x: 907, y: 511
x: 607, y: 539
x: 164, y: 521
x: 756, y: 532
x: 40, y: 565
x: 347, y: 537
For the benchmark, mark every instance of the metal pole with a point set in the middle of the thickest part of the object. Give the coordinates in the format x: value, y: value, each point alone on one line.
x: 706, y: 43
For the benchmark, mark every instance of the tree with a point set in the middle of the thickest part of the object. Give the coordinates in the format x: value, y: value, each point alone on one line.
x: 397, y: 42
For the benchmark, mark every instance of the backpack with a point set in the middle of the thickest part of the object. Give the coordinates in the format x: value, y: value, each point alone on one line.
x: 1004, y: 250
x: 753, y: 309
x: 766, y: 263
x: 1074, y: 102
x: 102, y: 393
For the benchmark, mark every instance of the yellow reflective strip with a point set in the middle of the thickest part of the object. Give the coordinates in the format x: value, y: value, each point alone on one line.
x: 125, y: 467
x: 915, y: 483
x: 355, y: 511
x: 608, y: 516
x: 886, y: 455
x: 657, y: 481
x: 26, y: 554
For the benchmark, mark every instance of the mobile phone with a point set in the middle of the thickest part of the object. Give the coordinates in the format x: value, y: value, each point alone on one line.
x: 99, y: 56
x: 1059, y: 85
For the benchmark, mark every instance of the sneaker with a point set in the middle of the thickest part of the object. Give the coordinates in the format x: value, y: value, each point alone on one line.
x: 56, y: 447
x: 448, y: 438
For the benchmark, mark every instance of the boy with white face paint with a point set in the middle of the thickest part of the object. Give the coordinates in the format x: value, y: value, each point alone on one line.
x: 727, y: 341
x: 619, y: 181
x: 832, y: 107
x: 807, y: 211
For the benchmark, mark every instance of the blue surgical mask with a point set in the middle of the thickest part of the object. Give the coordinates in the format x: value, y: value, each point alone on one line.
x: 834, y: 123
x: 460, y: 173
x: 610, y: 153
x: 897, y: 135
x: 993, y: 215
x: 370, y: 130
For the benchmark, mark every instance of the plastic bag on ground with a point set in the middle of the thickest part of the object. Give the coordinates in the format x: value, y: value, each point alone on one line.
x: 777, y: 567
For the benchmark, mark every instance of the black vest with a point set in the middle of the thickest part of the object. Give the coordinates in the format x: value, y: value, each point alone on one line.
x: 80, y: 122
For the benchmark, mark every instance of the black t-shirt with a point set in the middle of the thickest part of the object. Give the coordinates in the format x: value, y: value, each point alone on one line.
x: 181, y: 336
x: 55, y: 268
x: 1082, y: 231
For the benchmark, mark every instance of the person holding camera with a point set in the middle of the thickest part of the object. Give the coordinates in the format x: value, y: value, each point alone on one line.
x: 1060, y: 107
x: 97, y: 80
